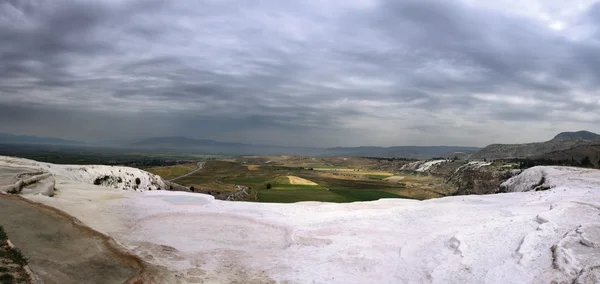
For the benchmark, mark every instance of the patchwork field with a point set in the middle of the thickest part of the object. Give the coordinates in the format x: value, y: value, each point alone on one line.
x: 294, y: 179
x: 170, y: 172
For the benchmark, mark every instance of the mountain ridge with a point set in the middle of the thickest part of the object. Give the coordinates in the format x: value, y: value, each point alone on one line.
x: 561, y: 142
x: 582, y: 134
x: 29, y: 139
x: 209, y: 145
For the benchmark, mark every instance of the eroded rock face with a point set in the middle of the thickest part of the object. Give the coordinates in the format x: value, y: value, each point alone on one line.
x: 577, y: 255
x: 424, y: 167
x: 27, y: 182
x: 479, y: 178
x: 38, y: 177
x: 533, y: 179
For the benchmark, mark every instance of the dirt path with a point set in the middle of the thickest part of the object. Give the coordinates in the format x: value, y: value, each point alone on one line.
x: 59, y: 249
x: 200, y: 165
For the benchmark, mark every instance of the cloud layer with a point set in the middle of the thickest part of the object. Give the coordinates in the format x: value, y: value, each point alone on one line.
x: 302, y: 73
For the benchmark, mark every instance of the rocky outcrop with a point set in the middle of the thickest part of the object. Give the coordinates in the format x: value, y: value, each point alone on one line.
x: 125, y: 178
x: 423, y: 167
x: 479, y: 178
x: 533, y: 179
x: 38, y: 177
x: 34, y: 182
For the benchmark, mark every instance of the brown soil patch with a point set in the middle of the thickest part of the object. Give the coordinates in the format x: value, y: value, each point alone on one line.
x: 394, y: 179
x: 253, y: 167
x: 300, y: 181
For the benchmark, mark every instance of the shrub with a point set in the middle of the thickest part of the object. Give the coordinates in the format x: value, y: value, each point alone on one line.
x: 586, y: 162
x: 542, y: 188
x: 268, y: 186
x: 3, y: 236
x: 100, y: 180
x: 7, y: 278
x: 192, y: 189
x: 15, y: 255
x: 137, y: 181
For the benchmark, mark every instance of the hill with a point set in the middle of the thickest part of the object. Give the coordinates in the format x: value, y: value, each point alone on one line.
x: 579, y: 135
x: 232, y: 148
x: 565, y: 141
x: 576, y: 153
x: 6, y: 138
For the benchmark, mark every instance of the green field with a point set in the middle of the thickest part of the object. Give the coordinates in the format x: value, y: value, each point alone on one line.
x: 338, y: 196
x: 170, y: 172
x: 331, y: 186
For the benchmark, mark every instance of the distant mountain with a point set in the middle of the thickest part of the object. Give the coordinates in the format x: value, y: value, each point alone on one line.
x: 179, y: 141
x: 24, y: 139
x: 562, y: 142
x: 216, y: 147
x: 579, y: 135
x: 404, y: 151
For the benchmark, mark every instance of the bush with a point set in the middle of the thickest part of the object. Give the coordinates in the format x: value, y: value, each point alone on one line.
x: 542, y: 188
x: 137, y: 181
x: 15, y: 255
x: 586, y: 162
x: 268, y: 186
x: 7, y: 278
x: 100, y: 180
x: 192, y: 189
x: 3, y: 236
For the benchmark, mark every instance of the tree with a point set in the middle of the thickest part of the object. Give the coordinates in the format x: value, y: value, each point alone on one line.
x: 268, y: 186
x: 586, y: 162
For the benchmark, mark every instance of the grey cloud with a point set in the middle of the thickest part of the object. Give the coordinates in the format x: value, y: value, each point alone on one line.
x: 349, y: 72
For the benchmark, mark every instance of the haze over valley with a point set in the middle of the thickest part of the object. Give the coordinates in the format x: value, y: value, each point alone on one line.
x: 359, y: 141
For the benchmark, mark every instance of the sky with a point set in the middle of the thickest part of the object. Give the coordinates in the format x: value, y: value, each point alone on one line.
x: 301, y: 72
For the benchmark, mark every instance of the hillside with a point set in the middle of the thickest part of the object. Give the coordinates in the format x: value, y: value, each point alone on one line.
x: 576, y: 153
x: 561, y: 142
x: 545, y: 236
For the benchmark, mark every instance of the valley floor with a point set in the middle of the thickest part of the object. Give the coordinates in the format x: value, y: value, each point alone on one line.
x: 519, y: 237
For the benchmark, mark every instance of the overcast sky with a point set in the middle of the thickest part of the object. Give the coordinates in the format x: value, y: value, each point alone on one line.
x: 301, y: 72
